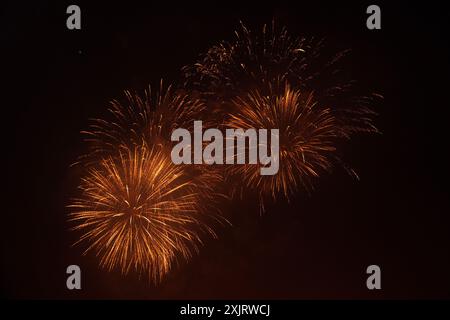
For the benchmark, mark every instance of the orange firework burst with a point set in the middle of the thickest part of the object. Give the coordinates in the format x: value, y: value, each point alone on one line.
x: 141, y: 120
x: 307, y: 136
x: 140, y: 211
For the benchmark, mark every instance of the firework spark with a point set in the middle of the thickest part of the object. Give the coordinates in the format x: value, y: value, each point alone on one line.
x: 140, y: 211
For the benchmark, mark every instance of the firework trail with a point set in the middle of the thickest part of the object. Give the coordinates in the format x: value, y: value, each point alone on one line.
x: 270, y: 80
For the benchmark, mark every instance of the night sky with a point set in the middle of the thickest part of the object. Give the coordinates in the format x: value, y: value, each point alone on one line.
x: 316, y: 246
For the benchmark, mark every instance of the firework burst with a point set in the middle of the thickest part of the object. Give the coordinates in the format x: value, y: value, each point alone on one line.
x: 141, y: 120
x: 140, y: 211
x: 307, y: 136
x: 271, y: 80
x: 258, y: 61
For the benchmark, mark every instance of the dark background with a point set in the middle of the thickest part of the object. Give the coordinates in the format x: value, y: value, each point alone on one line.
x: 317, y: 246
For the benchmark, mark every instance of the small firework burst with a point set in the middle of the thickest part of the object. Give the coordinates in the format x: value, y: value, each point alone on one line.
x: 307, y: 139
x: 140, y: 211
x: 141, y: 120
x: 258, y: 61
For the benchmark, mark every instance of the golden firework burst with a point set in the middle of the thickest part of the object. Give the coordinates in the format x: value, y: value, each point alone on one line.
x: 140, y: 211
x: 307, y: 136
x: 148, y: 119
